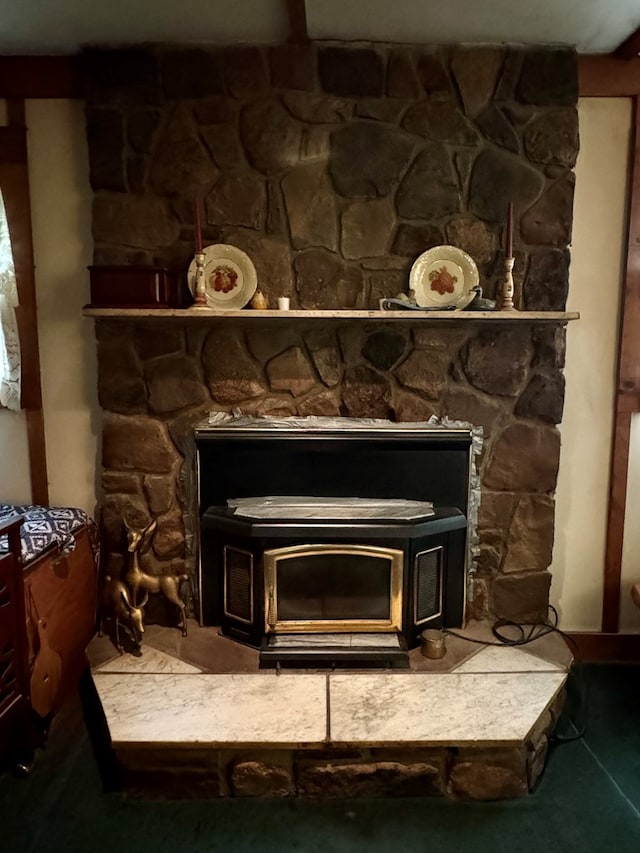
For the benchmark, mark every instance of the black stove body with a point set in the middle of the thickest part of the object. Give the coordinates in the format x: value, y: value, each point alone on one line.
x: 333, y: 591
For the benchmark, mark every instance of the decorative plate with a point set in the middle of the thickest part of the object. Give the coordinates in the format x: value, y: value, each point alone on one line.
x: 444, y: 277
x: 229, y: 275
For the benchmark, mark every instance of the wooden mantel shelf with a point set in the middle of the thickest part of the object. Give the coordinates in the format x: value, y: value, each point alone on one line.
x: 384, y: 316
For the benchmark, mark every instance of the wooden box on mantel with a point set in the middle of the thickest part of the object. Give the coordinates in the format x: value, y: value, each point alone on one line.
x: 137, y: 287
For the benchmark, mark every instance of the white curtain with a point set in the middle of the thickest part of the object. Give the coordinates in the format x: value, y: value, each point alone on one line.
x: 9, y: 341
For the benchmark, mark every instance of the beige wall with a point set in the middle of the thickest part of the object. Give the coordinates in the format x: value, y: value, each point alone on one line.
x: 14, y: 459
x: 61, y: 215
x: 595, y: 286
x: 60, y: 197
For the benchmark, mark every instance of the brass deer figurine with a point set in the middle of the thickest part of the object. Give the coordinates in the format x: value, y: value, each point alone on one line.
x: 116, y: 602
x: 138, y: 540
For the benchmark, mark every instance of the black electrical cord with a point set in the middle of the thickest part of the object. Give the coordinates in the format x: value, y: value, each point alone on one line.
x: 527, y: 632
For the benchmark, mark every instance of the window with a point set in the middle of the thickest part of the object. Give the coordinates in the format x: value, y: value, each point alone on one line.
x: 9, y: 340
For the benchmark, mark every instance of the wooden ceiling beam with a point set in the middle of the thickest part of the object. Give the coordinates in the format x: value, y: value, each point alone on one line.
x: 297, y: 12
x: 629, y: 48
x: 40, y: 77
x: 603, y: 76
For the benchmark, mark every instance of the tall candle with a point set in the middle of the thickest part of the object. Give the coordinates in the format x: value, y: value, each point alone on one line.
x: 509, y: 240
x: 198, y: 225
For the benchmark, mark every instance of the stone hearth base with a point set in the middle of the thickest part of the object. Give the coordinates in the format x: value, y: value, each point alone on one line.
x: 194, y: 717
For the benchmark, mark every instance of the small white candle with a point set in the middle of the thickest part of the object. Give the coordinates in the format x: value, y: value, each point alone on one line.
x: 283, y: 303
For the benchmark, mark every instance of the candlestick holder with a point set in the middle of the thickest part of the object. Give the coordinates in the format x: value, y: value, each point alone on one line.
x: 200, y: 284
x: 505, y: 302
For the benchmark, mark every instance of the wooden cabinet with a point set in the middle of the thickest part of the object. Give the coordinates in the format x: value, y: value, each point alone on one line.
x: 60, y: 600
x: 16, y: 740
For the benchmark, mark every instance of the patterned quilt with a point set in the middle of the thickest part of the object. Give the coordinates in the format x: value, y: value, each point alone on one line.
x: 45, y: 526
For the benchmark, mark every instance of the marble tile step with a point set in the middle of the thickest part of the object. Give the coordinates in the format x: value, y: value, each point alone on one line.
x: 305, y: 710
x: 231, y: 710
x: 468, y: 709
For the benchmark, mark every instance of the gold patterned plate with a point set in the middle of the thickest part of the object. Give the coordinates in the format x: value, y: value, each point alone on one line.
x: 444, y: 277
x: 230, y: 277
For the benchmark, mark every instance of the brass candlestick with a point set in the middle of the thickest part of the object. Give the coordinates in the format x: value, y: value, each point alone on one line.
x: 200, y: 288
x: 506, y: 294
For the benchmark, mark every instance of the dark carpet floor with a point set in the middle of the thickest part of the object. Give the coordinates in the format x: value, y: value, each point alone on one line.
x: 588, y: 801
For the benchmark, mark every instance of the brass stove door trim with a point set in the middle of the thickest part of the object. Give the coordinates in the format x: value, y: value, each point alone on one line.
x: 394, y: 623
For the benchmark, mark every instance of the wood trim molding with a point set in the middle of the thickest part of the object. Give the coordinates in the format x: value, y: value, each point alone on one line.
x: 630, y: 47
x: 593, y: 646
x: 40, y: 77
x: 37, y: 456
x: 608, y: 77
x: 627, y: 393
x: 615, y: 521
x: 297, y: 12
x: 16, y: 112
x: 14, y: 179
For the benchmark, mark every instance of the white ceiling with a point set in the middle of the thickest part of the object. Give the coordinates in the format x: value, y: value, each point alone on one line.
x: 65, y: 26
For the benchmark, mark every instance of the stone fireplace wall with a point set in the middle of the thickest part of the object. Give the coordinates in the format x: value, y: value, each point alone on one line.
x: 333, y: 167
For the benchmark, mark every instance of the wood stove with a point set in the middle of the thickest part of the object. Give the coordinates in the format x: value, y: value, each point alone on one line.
x: 332, y: 590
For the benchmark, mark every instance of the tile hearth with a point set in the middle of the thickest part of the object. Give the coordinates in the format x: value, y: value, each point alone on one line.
x: 194, y: 715
x: 167, y: 704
